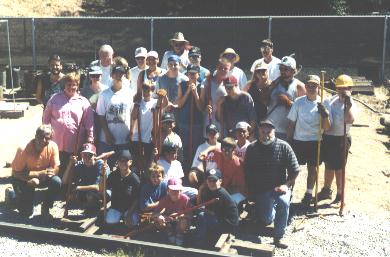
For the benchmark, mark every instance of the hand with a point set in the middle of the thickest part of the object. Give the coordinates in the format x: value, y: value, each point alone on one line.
x: 281, y: 189
x: 284, y: 100
x: 161, y: 92
x: 202, y: 156
x: 161, y: 220
x: 322, y: 110
x: 155, y: 151
x: 34, y: 182
x: 137, y: 98
x: 50, y: 172
x: 348, y: 103
x: 209, y: 109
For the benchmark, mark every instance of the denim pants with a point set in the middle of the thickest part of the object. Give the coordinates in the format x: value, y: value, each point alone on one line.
x: 25, y: 194
x: 273, y: 206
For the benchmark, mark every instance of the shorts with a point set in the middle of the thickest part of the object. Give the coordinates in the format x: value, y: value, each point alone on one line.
x: 332, y: 151
x: 306, y: 152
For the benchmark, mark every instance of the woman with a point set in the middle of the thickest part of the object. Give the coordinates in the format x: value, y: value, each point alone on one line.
x: 259, y: 89
x: 123, y: 62
x: 71, y: 118
x: 93, y: 91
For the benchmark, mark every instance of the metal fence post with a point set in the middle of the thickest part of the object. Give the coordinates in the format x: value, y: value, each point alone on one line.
x: 151, y: 33
x: 384, y: 50
x: 269, y: 27
x: 34, y: 57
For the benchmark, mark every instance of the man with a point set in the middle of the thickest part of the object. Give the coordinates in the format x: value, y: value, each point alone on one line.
x: 50, y: 83
x: 303, y: 130
x: 179, y: 48
x: 114, y: 108
x: 212, y: 90
x: 267, y: 48
x: 140, y: 58
x: 36, y: 166
x: 234, y: 58
x: 195, y: 57
x: 220, y: 217
x: 284, y: 91
x: 235, y: 107
x: 105, y: 61
x: 342, y: 109
x: 266, y: 162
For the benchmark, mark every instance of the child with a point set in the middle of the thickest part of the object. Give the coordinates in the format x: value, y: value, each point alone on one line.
x: 172, y: 203
x: 125, y: 186
x: 196, y: 174
x: 242, y: 134
x: 168, y: 135
x: 154, y: 189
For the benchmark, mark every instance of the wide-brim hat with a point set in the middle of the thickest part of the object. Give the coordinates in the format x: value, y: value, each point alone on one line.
x: 178, y: 36
x: 230, y: 51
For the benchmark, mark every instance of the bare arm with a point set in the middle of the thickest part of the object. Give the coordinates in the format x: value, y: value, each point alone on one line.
x: 103, y: 123
x: 39, y: 91
x: 301, y: 90
x: 290, y: 130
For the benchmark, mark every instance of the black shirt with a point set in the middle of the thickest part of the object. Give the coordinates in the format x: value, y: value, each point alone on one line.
x: 124, y: 190
x: 259, y: 96
x: 268, y: 166
x: 225, y: 208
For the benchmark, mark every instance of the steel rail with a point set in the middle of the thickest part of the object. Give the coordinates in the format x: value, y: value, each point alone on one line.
x: 100, y: 241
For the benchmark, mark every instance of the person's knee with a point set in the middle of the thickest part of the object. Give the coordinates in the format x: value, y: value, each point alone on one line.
x: 55, y: 183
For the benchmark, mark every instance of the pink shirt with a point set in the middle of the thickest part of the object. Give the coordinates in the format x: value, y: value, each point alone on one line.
x: 64, y: 114
x: 172, y: 207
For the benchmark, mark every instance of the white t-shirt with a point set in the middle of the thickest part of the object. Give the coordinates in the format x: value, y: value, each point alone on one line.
x: 171, y: 170
x: 240, y: 151
x: 106, y: 76
x: 337, y: 111
x: 240, y: 76
x: 146, y: 121
x: 183, y: 58
x: 116, y: 108
x: 134, y: 72
x: 273, y: 67
x: 210, y: 162
x: 305, y: 113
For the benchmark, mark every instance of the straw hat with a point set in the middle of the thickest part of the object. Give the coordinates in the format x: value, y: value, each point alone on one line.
x: 231, y: 51
x: 178, y: 36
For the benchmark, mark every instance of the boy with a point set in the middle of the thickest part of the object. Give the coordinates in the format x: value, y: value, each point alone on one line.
x: 168, y: 135
x: 174, y: 202
x: 242, y: 134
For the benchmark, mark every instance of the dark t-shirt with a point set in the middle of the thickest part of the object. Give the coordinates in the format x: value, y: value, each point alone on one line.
x: 259, y: 98
x: 124, y: 190
x: 84, y: 176
x: 225, y: 208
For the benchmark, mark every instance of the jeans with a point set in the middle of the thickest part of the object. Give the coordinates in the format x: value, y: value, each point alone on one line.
x: 273, y: 206
x: 25, y: 194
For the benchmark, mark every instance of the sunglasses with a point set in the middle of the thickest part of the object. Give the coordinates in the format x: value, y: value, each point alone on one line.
x: 229, y: 87
x: 229, y: 56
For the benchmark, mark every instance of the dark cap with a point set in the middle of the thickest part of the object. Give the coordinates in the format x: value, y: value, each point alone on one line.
x: 125, y: 154
x: 168, y: 117
x: 214, y: 174
x: 212, y: 127
x: 173, y: 58
x: 168, y: 147
x: 88, y: 148
x: 194, y: 51
x: 119, y: 69
x: 266, y: 122
x: 231, y: 80
x: 193, y: 69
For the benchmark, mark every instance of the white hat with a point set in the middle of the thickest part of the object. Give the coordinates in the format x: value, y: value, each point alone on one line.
x: 289, y: 62
x: 153, y: 54
x: 243, y: 125
x: 140, y: 52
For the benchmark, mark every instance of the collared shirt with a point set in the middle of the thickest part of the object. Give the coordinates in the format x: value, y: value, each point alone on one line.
x: 268, y: 166
x: 67, y: 116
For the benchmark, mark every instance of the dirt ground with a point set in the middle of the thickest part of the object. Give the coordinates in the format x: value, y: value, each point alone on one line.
x: 367, y: 186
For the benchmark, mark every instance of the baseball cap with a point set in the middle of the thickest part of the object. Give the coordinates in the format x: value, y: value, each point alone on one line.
x: 95, y: 70
x: 125, y: 154
x: 261, y: 66
x: 289, y: 62
x: 175, y: 184
x: 313, y: 79
x: 231, y: 80
x: 168, y: 117
x: 266, y: 122
x: 212, y: 127
x: 88, y: 148
x: 194, y: 51
x: 193, y: 69
x: 140, y: 52
x: 119, y: 69
x: 242, y: 125
x: 214, y: 174
x: 173, y: 58
x: 153, y: 54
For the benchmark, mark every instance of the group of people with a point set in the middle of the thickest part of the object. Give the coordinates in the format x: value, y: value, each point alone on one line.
x: 183, y: 135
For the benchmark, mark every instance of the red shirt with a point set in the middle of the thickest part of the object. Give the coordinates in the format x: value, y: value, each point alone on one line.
x: 233, y: 178
x: 172, y: 207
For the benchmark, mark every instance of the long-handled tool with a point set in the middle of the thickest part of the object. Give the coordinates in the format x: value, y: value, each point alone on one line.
x: 191, y: 125
x: 104, y: 157
x: 319, y: 143
x: 209, y: 96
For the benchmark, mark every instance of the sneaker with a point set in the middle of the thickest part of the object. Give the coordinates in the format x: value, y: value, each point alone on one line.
x: 337, y: 200
x: 280, y: 243
x: 325, y: 194
x: 306, y: 201
x: 179, y: 239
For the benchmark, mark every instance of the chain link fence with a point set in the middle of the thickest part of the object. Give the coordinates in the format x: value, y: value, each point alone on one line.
x: 355, y: 45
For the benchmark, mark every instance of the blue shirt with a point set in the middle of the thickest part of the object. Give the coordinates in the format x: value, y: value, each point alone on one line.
x: 85, y: 176
x: 151, y: 193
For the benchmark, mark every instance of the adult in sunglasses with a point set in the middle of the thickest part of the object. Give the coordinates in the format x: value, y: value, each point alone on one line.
x: 93, y: 90
x: 231, y: 55
x: 267, y: 49
x: 179, y: 47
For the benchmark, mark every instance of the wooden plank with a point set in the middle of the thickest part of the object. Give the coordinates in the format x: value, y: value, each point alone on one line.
x: 222, y: 239
x: 91, y: 230
x: 88, y: 223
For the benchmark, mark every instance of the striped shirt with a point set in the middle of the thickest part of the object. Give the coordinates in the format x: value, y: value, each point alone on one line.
x: 268, y: 166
